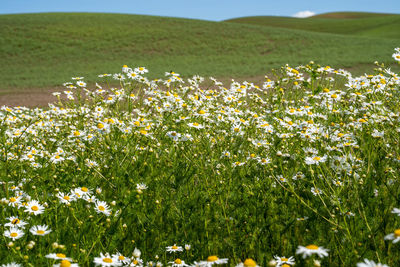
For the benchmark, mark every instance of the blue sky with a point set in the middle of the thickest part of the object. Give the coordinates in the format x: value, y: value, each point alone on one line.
x: 199, y: 9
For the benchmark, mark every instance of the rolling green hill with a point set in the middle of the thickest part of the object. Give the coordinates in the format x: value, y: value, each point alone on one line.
x: 360, y: 24
x: 350, y: 15
x: 46, y: 49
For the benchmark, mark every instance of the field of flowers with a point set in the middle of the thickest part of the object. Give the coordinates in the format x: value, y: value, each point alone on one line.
x: 302, y: 170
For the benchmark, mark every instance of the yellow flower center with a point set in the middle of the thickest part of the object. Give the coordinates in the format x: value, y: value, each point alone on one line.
x: 178, y: 261
x: 15, y: 221
x: 316, y: 158
x: 13, y: 199
x: 60, y: 255
x: 174, y: 247
x: 14, y: 234
x: 397, y: 232
x: 121, y: 258
x: 334, y: 96
x: 249, y: 263
x: 108, y: 260
x: 313, y: 247
x: 196, y: 124
x: 65, y: 263
x: 100, y: 126
x: 212, y: 258
x: 66, y: 197
x: 284, y: 259
x: 77, y: 133
x: 84, y: 189
x: 35, y: 208
x: 101, y: 208
x: 202, y: 112
x: 143, y: 132
x: 40, y: 232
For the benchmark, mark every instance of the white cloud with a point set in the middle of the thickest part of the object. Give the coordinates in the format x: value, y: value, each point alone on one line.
x: 304, y: 14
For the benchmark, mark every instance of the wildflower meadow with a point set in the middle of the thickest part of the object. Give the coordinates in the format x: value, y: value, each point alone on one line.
x: 301, y: 170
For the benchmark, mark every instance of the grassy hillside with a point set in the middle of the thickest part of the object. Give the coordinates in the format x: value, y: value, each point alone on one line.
x: 360, y: 24
x: 44, y: 50
x: 350, y: 15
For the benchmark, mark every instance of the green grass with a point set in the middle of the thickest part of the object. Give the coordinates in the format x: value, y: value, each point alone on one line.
x: 44, y: 50
x: 350, y: 15
x: 365, y: 24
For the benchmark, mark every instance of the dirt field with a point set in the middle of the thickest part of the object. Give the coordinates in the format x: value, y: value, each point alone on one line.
x: 33, y: 98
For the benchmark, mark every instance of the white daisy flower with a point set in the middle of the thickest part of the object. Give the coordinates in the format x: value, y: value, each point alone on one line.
x: 248, y: 263
x: 136, y: 262
x: 315, y: 160
x: 312, y: 249
x: 40, y: 230
x: 195, y: 125
x: 14, y: 201
x: 122, y: 258
x: 102, y: 207
x: 11, y: 264
x: 58, y: 256
x: 66, y: 198
x: 368, y: 263
x: 65, y: 263
x: 178, y: 263
x: 141, y: 186
x: 211, y: 260
x: 395, y: 236
x: 316, y: 191
x: 81, y: 83
x: 15, y: 222
x: 140, y: 70
x: 283, y: 260
x: 14, y: 233
x: 34, y: 207
x: 396, y: 211
x: 106, y: 260
x: 174, y: 248
x: 174, y: 135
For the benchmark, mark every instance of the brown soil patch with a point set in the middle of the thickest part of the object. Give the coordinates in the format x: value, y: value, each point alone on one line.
x: 31, y: 98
